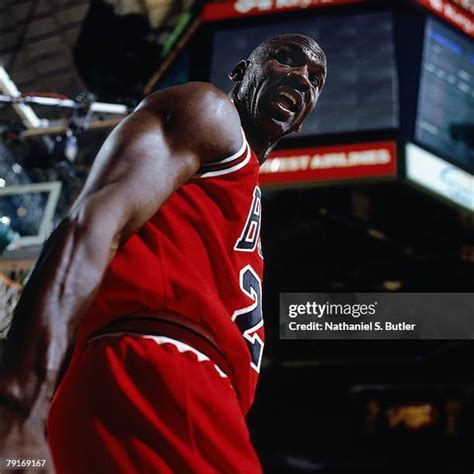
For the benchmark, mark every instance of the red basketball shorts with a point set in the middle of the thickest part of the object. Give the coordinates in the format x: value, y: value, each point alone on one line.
x: 146, y: 404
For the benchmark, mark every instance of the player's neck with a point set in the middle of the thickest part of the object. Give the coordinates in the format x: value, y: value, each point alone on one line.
x: 261, y: 144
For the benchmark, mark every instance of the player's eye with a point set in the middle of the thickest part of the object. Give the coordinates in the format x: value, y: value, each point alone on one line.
x: 284, y: 58
x: 315, y: 81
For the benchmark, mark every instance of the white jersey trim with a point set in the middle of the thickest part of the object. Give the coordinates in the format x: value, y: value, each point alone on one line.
x: 181, y: 346
x: 231, y: 168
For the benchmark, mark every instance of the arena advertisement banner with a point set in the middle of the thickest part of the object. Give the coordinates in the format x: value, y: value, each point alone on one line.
x: 240, y: 8
x: 458, y: 13
x: 333, y: 163
x: 439, y: 176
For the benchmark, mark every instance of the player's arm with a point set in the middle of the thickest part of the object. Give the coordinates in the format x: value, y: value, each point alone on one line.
x: 147, y: 157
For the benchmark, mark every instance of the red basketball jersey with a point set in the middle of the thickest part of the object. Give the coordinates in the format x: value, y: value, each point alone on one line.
x: 199, y: 256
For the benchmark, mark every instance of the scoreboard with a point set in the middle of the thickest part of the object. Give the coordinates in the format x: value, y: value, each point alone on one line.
x: 398, y: 73
x: 445, y: 116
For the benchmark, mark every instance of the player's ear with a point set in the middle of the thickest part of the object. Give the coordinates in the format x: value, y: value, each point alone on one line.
x: 238, y: 72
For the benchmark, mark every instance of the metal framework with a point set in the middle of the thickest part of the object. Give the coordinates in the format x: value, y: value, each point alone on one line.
x: 36, y: 126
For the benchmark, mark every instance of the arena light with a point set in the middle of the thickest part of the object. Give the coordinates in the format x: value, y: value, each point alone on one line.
x: 413, y: 417
x: 440, y: 177
x: 66, y: 147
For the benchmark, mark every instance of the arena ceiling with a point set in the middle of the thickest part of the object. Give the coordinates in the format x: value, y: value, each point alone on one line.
x: 38, y: 37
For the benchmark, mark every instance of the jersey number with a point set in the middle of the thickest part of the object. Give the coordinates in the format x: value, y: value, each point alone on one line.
x: 250, y: 319
x: 251, y: 233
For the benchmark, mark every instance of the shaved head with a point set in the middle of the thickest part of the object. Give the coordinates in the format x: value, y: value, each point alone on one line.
x: 277, y: 86
x: 263, y: 49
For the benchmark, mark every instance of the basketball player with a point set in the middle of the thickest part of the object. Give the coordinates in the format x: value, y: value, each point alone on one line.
x: 155, y: 279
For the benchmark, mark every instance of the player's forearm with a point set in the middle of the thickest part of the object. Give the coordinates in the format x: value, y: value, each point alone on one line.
x: 65, y: 279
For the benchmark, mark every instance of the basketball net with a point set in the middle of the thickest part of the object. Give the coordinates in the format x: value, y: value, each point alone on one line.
x: 10, y: 290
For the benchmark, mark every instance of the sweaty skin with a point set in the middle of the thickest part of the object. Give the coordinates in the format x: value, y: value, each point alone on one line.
x: 143, y: 161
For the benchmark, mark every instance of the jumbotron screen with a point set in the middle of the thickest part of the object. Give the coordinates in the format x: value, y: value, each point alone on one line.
x: 361, y: 91
x: 445, y: 117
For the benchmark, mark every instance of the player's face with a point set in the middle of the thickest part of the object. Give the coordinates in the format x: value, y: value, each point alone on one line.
x: 286, y: 86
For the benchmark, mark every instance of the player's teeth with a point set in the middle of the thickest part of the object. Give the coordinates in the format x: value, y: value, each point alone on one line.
x: 293, y: 100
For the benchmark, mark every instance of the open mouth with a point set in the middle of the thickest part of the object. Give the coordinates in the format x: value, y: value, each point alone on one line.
x: 287, y: 100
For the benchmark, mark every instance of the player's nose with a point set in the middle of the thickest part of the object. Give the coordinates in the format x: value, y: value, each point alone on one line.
x: 300, y: 76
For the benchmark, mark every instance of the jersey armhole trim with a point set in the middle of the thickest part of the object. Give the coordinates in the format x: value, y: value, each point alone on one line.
x: 232, y: 163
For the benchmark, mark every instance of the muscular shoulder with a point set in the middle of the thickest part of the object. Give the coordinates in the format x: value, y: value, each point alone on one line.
x: 199, y: 116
